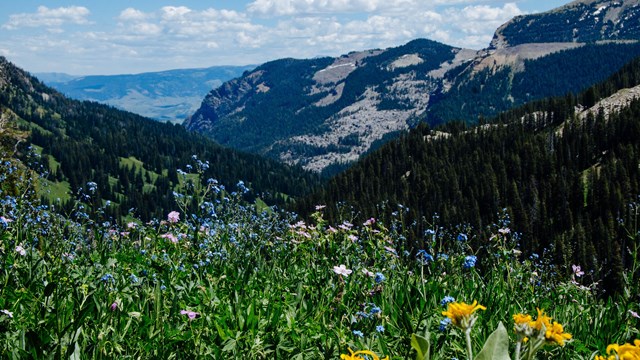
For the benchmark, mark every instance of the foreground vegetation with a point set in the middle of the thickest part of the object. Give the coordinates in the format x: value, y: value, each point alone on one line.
x: 218, y: 278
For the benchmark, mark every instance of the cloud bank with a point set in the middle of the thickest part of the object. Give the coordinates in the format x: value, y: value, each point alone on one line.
x: 179, y: 36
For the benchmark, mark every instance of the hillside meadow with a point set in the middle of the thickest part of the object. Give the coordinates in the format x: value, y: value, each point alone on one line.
x: 218, y: 278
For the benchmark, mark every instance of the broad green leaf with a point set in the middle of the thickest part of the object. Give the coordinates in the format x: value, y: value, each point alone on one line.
x: 497, y: 346
x: 421, y: 345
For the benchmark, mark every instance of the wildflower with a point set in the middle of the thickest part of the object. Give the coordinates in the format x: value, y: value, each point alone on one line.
x: 353, y: 238
x: 367, y: 273
x: 379, y: 278
x: 444, y: 324
x: 191, y: 314
x: 342, y: 270
x: 634, y: 314
x: 361, y: 355
x: 171, y: 237
x: 469, y: 262
x: 521, y: 325
x: 20, y: 250
x: 504, y: 231
x: 461, y: 314
x: 577, y: 271
x: 7, y: 312
x: 173, y: 217
x: 626, y: 351
x: 424, y: 257
x: 107, y: 277
x: 358, y: 333
x: 380, y: 328
x: 114, y: 306
x: 462, y: 237
x: 446, y: 300
x: 131, y: 225
x: 369, y: 222
x: 320, y: 207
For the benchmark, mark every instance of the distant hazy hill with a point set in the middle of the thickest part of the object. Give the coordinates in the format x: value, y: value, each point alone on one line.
x: 166, y: 96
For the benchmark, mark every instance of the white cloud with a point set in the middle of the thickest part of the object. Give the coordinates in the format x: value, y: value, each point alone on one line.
x: 131, y: 14
x: 292, y: 7
x: 45, y: 17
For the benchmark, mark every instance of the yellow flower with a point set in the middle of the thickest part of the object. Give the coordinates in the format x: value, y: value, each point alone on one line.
x: 541, y: 320
x: 461, y: 313
x: 623, y: 352
x: 556, y: 334
x: 356, y: 355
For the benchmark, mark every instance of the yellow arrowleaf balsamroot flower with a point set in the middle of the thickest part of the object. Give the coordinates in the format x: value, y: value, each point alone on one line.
x: 357, y: 355
x: 556, y: 334
x: 623, y: 352
x: 461, y: 314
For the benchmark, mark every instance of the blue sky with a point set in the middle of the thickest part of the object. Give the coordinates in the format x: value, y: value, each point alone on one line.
x: 117, y: 37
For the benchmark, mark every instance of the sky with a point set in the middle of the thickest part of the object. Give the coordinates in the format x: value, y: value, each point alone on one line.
x: 104, y: 37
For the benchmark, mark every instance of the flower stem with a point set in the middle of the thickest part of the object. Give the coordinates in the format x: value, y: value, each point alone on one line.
x: 467, y: 335
x: 518, y: 347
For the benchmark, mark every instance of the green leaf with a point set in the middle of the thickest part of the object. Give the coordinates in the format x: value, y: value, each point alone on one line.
x: 422, y: 345
x: 497, y: 346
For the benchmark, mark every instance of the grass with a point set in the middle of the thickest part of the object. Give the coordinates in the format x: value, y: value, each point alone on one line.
x: 229, y: 280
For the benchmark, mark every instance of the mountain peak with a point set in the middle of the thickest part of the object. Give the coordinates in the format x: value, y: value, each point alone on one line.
x: 582, y: 21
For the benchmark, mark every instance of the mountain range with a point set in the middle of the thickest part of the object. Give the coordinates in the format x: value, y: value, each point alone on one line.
x: 325, y: 113
x: 170, y: 95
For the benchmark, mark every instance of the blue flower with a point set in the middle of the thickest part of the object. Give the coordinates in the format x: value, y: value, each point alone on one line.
x: 447, y: 299
x: 107, y: 278
x: 469, y: 262
x: 462, y: 237
x: 380, y: 328
x: 375, y: 310
x: 424, y: 257
x: 358, y: 333
x: 379, y: 278
x: 444, y: 323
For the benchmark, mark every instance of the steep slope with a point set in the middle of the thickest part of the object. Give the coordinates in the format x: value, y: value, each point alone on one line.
x: 563, y: 177
x: 166, y: 96
x: 582, y: 21
x: 132, y: 160
x: 324, y: 113
x: 321, y: 111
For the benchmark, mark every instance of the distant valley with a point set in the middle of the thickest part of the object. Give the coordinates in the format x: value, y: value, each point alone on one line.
x: 169, y: 95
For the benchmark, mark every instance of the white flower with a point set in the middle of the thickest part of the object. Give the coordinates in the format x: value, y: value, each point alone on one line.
x: 7, y: 312
x: 342, y: 270
x: 577, y: 271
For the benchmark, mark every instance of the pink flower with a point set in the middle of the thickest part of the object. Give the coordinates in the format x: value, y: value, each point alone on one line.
x: 131, y: 225
x: 191, y: 314
x: 577, y: 271
x: 20, y: 250
x: 114, y: 306
x: 369, y: 222
x: 173, y: 217
x: 342, y: 270
x: 171, y: 237
x: 634, y: 314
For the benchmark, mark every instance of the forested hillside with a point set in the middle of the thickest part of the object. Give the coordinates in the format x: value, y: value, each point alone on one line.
x: 132, y: 160
x: 570, y: 183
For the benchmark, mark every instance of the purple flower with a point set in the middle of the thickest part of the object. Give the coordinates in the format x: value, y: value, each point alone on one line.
x: 114, y: 306
x: 191, y: 314
x: 577, y: 271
